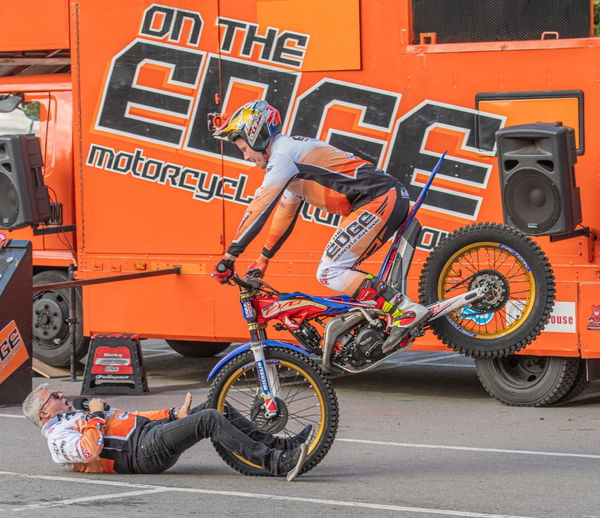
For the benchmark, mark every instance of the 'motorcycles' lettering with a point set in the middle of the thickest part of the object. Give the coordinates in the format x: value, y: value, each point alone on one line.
x: 204, y: 186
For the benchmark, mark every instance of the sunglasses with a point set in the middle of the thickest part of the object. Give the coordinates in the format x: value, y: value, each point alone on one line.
x: 53, y: 395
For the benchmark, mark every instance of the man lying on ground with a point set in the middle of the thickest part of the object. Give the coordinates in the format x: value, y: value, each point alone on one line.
x: 108, y: 440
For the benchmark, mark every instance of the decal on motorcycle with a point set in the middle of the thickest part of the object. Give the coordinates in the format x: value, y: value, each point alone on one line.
x: 516, y: 254
x: 462, y: 330
x: 480, y: 319
x: 248, y: 309
x: 262, y: 376
x: 287, y: 305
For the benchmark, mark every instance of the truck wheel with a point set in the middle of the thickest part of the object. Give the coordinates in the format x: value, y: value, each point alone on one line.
x: 579, y: 385
x: 51, y: 337
x: 520, y: 380
x: 197, y: 349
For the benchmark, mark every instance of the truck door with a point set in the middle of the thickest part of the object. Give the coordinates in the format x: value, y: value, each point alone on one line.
x: 141, y: 71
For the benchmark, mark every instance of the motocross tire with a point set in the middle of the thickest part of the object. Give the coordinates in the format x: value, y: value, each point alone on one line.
x: 519, y: 304
x: 51, y: 336
x: 521, y: 380
x: 197, y: 348
x: 305, y: 397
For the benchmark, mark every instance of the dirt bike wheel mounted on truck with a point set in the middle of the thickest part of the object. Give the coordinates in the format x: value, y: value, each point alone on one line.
x: 305, y: 397
x: 519, y: 303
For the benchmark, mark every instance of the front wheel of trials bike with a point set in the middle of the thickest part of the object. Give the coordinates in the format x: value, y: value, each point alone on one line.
x: 519, y: 303
x: 305, y: 396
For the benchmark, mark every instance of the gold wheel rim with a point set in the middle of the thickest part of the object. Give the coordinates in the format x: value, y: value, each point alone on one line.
x: 509, y: 265
x: 281, y: 363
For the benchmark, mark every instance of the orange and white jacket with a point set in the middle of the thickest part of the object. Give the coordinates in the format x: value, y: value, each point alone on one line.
x: 102, y: 442
x: 305, y: 169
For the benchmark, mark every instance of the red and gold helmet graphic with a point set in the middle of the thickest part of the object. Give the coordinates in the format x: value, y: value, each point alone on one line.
x: 257, y: 122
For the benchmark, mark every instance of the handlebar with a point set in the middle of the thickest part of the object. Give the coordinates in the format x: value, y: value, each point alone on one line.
x: 248, y: 283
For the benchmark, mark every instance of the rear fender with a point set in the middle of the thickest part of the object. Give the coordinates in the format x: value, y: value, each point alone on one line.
x: 245, y: 347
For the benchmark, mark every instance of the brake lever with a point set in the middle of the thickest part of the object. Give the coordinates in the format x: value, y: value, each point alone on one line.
x: 252, y: 282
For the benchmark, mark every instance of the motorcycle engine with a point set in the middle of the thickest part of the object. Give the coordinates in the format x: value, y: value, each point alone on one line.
x: 369, y: 341
x: 361, y: 344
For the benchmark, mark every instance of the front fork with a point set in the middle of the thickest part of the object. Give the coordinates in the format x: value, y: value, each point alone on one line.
x: 267, y: 372
x: 267, y: 376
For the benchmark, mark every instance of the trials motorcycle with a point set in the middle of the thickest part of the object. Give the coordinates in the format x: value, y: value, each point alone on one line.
x: 490, y: 290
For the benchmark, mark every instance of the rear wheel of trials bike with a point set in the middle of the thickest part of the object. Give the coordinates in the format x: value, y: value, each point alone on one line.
x: 516, y: 310
x: 305, y: 397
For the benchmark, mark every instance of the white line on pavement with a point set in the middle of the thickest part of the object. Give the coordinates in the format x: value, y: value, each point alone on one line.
x: 16, y: 416
x: 145, y: 489
x: 68, y: 501
x: 470, y: 448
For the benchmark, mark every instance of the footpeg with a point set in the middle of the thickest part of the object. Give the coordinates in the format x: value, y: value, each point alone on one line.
x: 417, y: 331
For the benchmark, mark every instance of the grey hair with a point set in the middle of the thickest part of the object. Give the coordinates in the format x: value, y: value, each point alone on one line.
x: 33, y: 404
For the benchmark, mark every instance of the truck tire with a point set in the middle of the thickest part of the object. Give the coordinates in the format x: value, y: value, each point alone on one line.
x: 197, y: 348
x: 521, y: 380
x: 579, y: 385
x: 51, y: 337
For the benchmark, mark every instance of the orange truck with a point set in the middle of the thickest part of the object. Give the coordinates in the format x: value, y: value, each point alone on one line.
x: 119, y: 94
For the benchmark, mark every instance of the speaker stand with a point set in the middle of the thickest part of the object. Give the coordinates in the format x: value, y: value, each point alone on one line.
x: 584, y: 231
x: 53, y: 230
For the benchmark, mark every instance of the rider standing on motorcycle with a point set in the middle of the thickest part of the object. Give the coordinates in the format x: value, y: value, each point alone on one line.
x: 373, y: 205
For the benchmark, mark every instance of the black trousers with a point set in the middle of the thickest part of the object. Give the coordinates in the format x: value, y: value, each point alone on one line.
x: 162, y: 442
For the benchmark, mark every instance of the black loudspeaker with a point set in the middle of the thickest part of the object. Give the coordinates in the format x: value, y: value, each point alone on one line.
x: 537, y: 178
x: 24, y: 198
x: 15, y: 322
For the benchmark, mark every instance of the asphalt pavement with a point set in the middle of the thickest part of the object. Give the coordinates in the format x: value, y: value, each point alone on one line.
x: 418, y: 437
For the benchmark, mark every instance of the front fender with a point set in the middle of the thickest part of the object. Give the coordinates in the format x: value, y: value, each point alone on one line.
x: 245, y: 347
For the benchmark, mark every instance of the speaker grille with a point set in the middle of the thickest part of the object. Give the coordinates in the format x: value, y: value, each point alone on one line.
x: 9, y: 202
x: 532, y: 201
